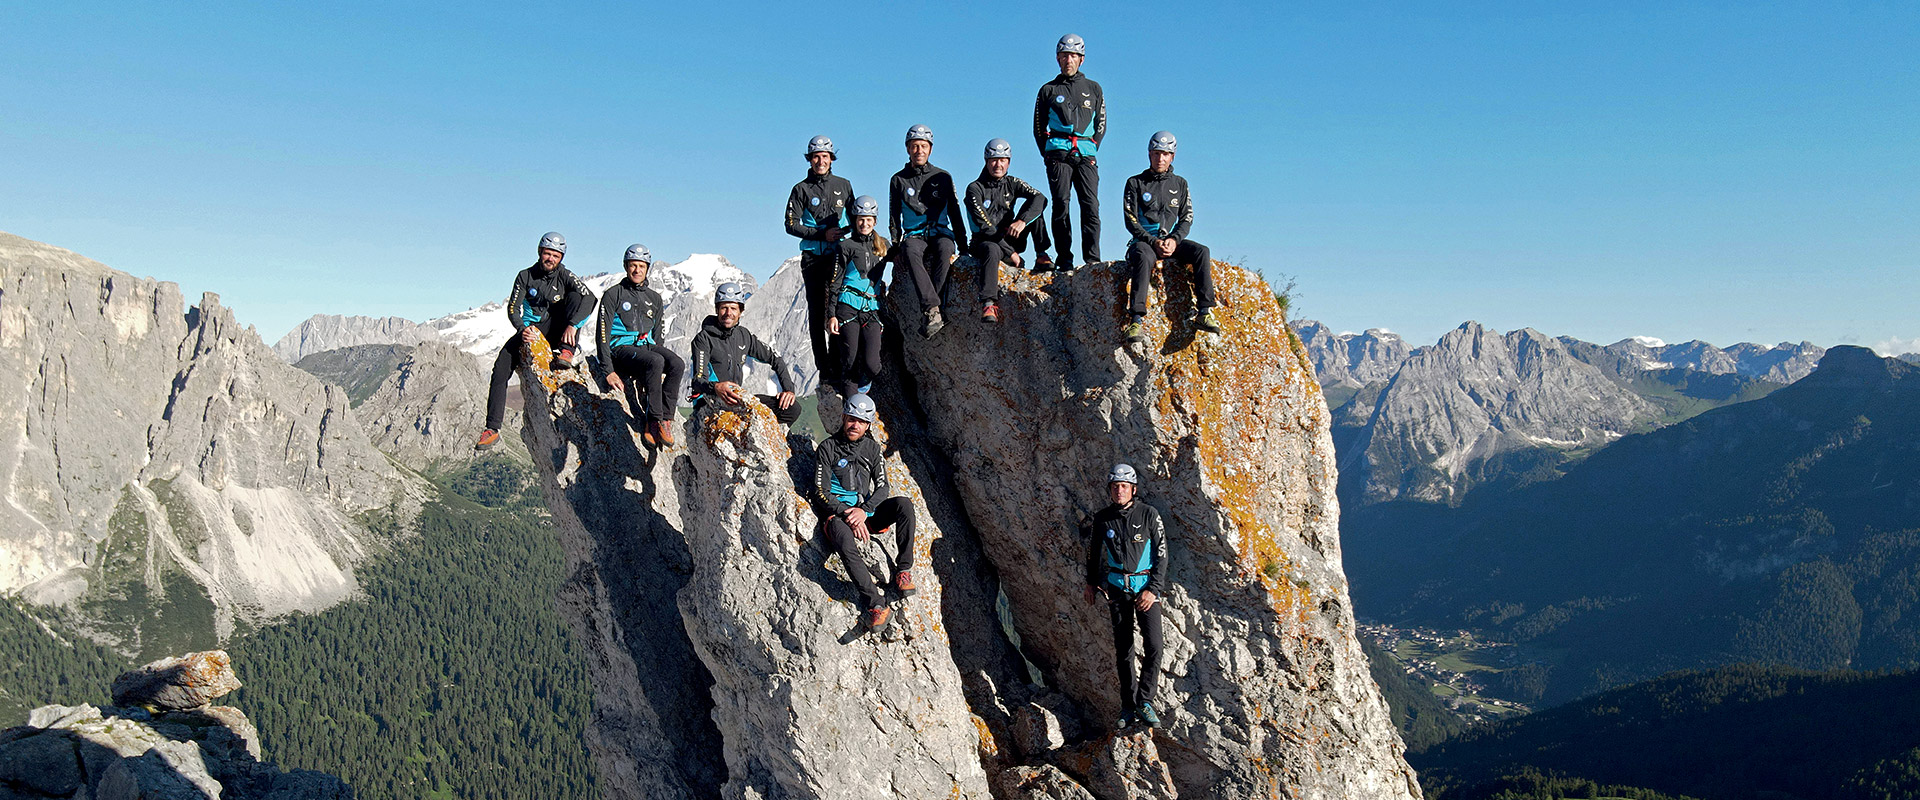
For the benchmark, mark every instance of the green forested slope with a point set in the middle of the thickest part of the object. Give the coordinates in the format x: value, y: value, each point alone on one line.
x: 1727, y: 734
x: 453, y: 676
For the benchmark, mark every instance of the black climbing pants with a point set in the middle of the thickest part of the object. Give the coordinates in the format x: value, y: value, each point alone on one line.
x: 992, y: 251
x: 1124, y: 614
x: 927, y: 259
x: 1067, y: 174
x: 1141, y: 257
x: 894, y: 512
x: 654, y: 373
x: 512, y: 356
x: 859, y: 348
x: 816, y: 270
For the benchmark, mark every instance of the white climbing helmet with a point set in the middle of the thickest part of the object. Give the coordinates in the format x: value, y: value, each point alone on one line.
x: 1123, y: 473
x: 859, y: 407
x: 554, y: 241
x: 639, y: 252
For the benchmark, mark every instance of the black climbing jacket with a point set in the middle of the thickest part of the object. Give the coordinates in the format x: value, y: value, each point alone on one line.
x: 923, y: 202
x: 816, y: 205
x: 1127, y: 548
x: 856, y: 273
x: 990, y: 204
x: 720, y: 356
x: 630, y: 314
x: 850, y: 474
x: 1157, y: 206
x: 537, y: 291
x: 1070, y: 116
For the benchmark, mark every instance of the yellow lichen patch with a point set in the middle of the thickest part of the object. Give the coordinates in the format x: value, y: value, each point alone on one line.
x: 989, y: 745
x: 540, y: 360
x: 1218, y: 390
x: 729, y: 424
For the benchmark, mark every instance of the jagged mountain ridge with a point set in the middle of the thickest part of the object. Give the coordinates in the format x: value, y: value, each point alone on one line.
x: 323, y: 332
x: 167, y: 474
x: 1432, y: 423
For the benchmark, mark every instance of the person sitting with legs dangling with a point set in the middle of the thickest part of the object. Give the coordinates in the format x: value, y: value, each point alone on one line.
x: 547, y: 301
x: 1002, y: 209
x: 850, y: 476
x: 1159, y: 212
x: 630, y: 339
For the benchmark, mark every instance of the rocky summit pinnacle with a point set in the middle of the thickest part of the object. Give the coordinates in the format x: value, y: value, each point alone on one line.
x: 765, y: 684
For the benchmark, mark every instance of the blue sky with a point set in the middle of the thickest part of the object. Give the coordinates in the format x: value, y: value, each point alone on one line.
x: 1709, y: 171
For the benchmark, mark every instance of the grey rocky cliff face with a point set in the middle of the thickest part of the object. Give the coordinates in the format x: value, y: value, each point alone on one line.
x: 428, y: 411
x: 777, y: 313
x: 322, y: 332
x: 1267, y: 693
x: 809, y: 703
x: 157, y: 444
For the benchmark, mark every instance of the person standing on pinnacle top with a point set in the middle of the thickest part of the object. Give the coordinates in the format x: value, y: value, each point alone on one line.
x: 925, y: 220
x: 547, y: 300
x: 1126, y: 563
x: 855, y: 294
x: 1069, y: 122
x: 1159, y: 212
x: 817, y: 215
x: 630, y: 339
x: 850, y: 475
x: 1000, y: 229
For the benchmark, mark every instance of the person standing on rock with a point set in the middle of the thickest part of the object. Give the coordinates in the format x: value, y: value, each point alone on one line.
x: 925, y: 220
x: 850, y: 475
x: 1159, y: 213
x: 629, y: 338
x: 720, y: 353
x: 817, y: 215
x: 999, y: 229
x: 1069, y: 122
x: 547, y: 300
x: 1126, y: 559
x: 855, y: 290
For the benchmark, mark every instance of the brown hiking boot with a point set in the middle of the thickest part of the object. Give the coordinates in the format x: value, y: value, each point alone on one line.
x: 990, y: 313
x: 488, y: 438
x: 903, y: 581
x: 878, y: 617
x: 663, y: 432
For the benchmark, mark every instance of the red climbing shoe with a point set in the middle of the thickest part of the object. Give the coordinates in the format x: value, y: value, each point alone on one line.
x: 488, y: 438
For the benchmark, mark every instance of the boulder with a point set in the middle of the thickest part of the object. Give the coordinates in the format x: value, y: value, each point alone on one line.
x: 1266, y: 691
x: 177, y: 682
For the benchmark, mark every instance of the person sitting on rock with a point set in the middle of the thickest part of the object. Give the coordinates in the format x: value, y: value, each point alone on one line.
x: 850, y: 475
x: 630, y: 339
x: 817, y: 216
x: 926, y: 222
x: 547, y: 300
x: 1126, y: 559
x: 999, y: 230
x: 1159, y: 213
x: 855, y: 289
x: 720, y: 353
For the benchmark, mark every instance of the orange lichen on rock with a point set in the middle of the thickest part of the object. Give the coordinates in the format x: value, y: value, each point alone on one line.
x: 1214, y: 392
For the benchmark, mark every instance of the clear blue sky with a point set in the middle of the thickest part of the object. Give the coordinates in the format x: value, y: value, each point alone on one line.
x: 1713, y: 171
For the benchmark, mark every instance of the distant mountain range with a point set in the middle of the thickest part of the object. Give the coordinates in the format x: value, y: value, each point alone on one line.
x: 1782, y: 530
x: 686, y: 287
x: 1480, y: 407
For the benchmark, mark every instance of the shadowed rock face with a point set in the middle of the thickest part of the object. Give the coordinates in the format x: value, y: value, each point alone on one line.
x: 1267, y: 692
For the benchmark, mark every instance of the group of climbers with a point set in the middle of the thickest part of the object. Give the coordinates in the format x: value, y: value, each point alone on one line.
x: 842, y: 259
